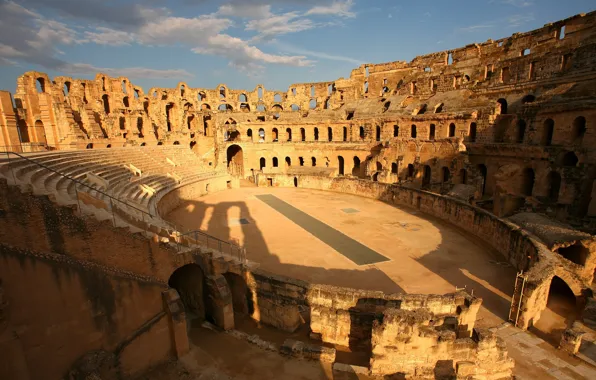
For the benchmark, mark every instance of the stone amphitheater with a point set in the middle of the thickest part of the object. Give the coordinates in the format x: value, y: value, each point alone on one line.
x: 423, y: 219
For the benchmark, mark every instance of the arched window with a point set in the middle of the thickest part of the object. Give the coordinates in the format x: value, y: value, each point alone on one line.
x: 356, y: 169
x: 340, y: 162
x: 378, y: 134
x: 222, y: 92
x: 413, y: 131
x: 569, y: 159
x: 431, y: 132
x: 289, y: 133
x: 472, y: 132
x: 410, y: 173
x: 275, y: 163
x: 501, y: 107
x: 125, y: 102
x: 394, y: 168
x: 316, y: 134
x: 314, y: 161
x: 274, y: 135
x: 345, y: 134
x: 106, y: 103
x: 527, y: 182
x: 330, y: 133
x: 249, y: 134
x: 66, y: 88
x: 40, y: 85
x: 262, y: 163
x: 578, y: 130
x: 445, y: 174
x: 396, y: 131
x: 547, y: 132
x: 312, y: 104
x: 288, y: 162
x: 261, y: 135
x: 520, y: 131
x: 242, y: 98
x: 361, y: 134
x: 302, y: 134
x: 451, y: 130
x: 554, y: 185
x: 182, y: 90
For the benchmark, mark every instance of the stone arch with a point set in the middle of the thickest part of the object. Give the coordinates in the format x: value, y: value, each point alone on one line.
x: 501, y: 107
x: 235, y: 159
x: 340, y: 165
x: 241, y: 295
x: 106, y: 103
x: 452, y: 130
x: 569, y: 159
x: 190, y: 283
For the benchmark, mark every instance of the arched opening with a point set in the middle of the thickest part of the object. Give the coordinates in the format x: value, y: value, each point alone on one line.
x: 23, y: 131
x: 241, y: 295
x: 106, y: 103
x: 547, y: 132
x: 431, y: 132
x: 345, y: 134
x: 40, y: 85
x: 262, y: 163
x: 483, y: 172
x: 301, y: 161
x: 288, y: 162
x: 340, y: 164
x: 302, y: 134
x: 289, y: 134
x: 274, y: 135
x: 124, y: 86
x: 192, y: 144
x: 410, y: 173
x: 396, y: 131
x: 109, y: 146
x: 361, y: 133
x: 554, y: 185
x: 472, y: 132
x: 242, y: 98
x: 169, y: 115
x: 520, y: 131
x: 295, y: 182
x: 356, y: 169
x: 295, y: 108
x: 463, y: 176
x: 89, y: 146
x: 578, y: 130
x: 378, y: 133
x: 222, y: 92
x: 501, y: 107
x: 569, y: 159
x: 160, y: 143
x: 66, y: 90
x: 451, y: 130
x: 316, y: 134
x: 176, y: 143
x: 235, y: 160
x: 330, y: 133
x: 394, y: 168
x: 312, y: 104
x: 426, y: 176
x: 560, y: 312
x: 201, y: 96
x: 413, y: 131
x: 261, y: 135
x: 527, y: 182
x: 140, y: 126
x: 445, y: 174
x: 275, y: 162
x: 260, y: 92
x: 313, y: 161
x: 189, y: 282
x: 125, y: 102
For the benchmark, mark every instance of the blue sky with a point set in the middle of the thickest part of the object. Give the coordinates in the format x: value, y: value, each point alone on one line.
x: 246, y: 42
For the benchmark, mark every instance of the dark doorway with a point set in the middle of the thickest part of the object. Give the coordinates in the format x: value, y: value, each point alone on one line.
x: 426, y: 176
x: 235, y: 161
x: 340, y: 160
x: 189, y: 281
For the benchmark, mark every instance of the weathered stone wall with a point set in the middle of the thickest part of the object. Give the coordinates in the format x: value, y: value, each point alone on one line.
x: 58, y: 309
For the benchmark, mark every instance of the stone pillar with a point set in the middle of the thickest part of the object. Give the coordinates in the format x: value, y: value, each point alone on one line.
x: 9, y: 135
x: 219, y: 302
x: 571, y: 339
x: 177, y: 322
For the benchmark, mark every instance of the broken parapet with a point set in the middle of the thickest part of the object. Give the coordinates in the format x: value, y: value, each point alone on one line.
x: 308, y: 351
x: 571, y: 339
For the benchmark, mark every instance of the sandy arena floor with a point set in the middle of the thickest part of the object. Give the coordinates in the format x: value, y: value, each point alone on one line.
x: 426, y: 255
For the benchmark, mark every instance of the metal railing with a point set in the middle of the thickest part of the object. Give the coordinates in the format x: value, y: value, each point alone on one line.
x: 232, y: 249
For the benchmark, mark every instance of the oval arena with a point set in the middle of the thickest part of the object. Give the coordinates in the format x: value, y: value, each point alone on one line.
x: 423, y: 219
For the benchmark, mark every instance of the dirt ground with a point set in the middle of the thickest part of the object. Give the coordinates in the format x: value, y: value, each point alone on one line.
x: 426, y: 255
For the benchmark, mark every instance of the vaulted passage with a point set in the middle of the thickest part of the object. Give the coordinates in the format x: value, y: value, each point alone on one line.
x: 189, y: 281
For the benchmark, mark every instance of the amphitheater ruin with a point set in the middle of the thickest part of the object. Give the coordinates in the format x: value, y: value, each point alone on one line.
x: 423, y: 219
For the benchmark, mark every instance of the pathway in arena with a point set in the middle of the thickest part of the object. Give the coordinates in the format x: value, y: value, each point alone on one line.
x: 350, y: 248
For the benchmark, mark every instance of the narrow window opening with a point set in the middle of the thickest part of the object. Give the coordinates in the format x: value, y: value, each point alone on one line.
x: 413, y: 131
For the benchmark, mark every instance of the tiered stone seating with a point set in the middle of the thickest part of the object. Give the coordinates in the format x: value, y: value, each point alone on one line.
x: 110, y: 165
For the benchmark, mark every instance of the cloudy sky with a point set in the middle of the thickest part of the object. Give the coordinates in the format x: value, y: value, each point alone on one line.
x: 245, y: 42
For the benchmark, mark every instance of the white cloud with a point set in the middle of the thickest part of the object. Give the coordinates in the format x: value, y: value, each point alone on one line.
x: 107, y: 36
x: 130, y: 72
x: 250, y: 11
x: 317, y: 54
x: 244, y: 56
x: 337, y: 8
x: 275, y: 25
